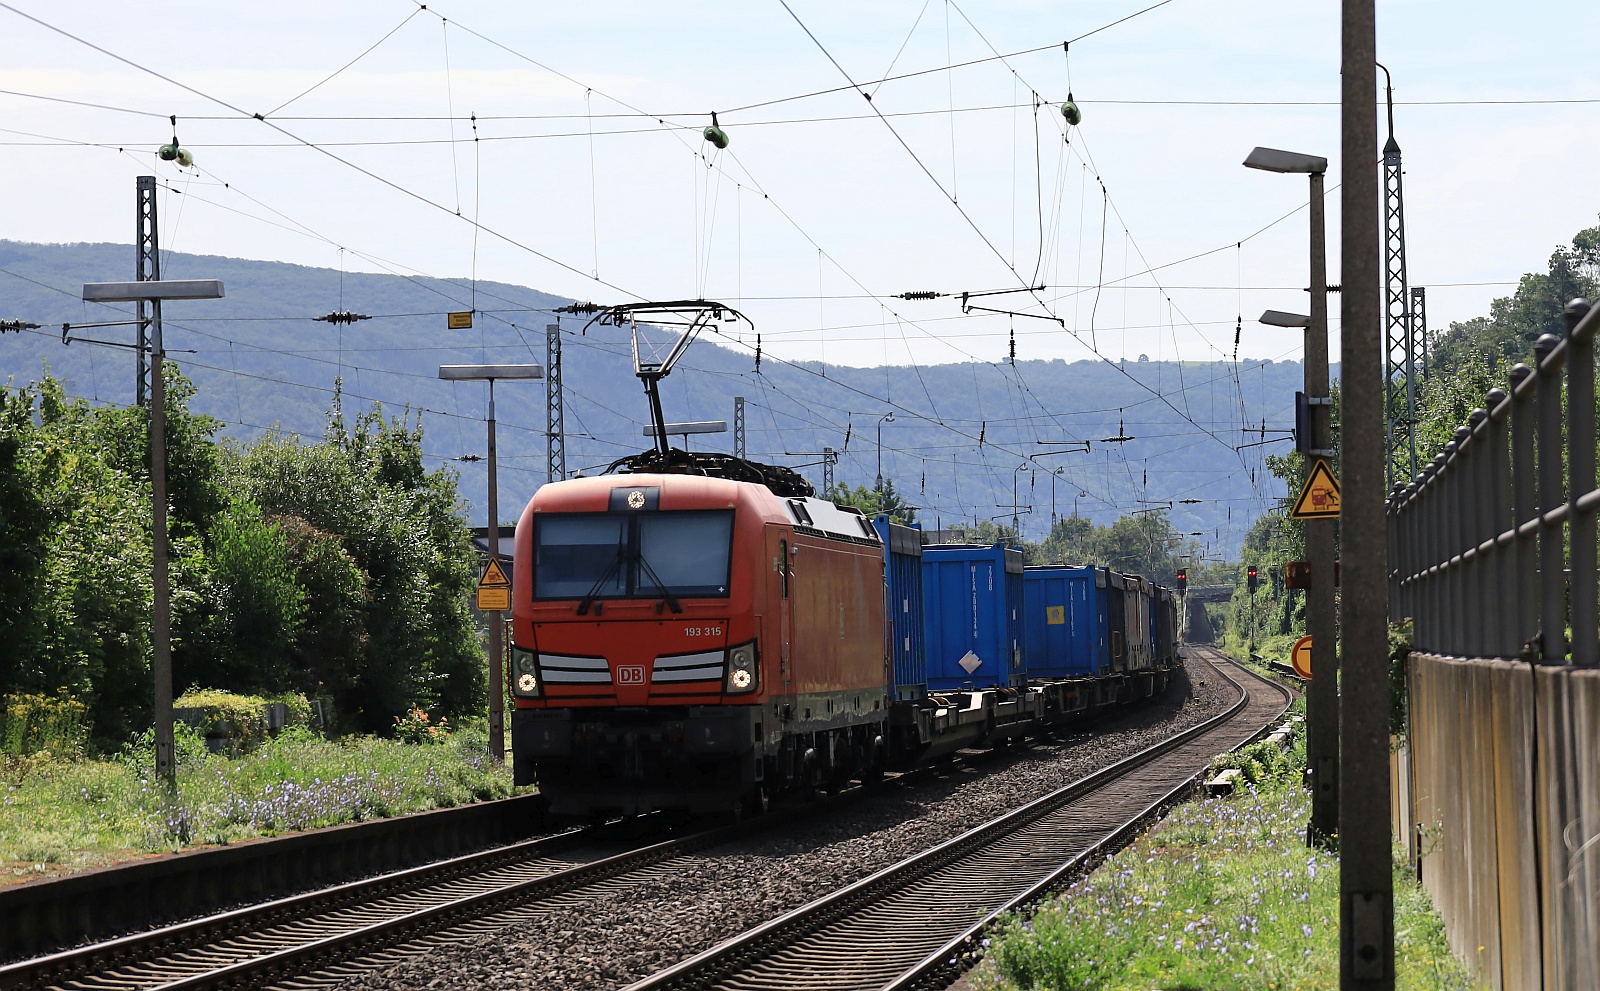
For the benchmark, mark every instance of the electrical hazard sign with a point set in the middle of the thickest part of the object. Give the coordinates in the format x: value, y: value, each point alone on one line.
x: 1319, y: 497
x: 461, y: 320
x: 494, y: 588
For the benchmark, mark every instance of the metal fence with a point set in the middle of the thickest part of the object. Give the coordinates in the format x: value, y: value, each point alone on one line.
x: 1493, y: 557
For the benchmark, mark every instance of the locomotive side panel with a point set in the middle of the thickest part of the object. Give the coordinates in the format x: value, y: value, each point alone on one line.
x: 838, y: 618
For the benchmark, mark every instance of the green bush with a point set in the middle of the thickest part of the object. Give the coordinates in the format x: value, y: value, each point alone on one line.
x: 242, y: 719
x: 32, y: 724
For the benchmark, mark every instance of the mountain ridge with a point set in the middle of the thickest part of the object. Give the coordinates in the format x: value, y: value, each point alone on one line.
x: 961, y: 434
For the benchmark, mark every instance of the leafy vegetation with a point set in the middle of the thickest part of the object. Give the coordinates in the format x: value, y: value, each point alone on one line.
x: 1222, y: 895
x: 338, y: 570
x: 58, y: 815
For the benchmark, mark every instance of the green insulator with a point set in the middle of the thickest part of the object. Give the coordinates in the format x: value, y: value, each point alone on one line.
x: 1070, y: 111
x: 167, y: 153
x: 717, y: 136
x: 185, y: 158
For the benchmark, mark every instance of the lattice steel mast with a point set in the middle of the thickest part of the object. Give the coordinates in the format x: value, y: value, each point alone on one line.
x: 1400, y: 394
x: 738, y: 426
x: 147, y: 267
x: 555, y: 415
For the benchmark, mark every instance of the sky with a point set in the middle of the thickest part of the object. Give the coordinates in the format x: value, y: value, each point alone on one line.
x: 589, y: 177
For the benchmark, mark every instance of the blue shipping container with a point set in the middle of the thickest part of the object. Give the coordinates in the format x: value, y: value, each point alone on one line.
x: 902, y: 575
x: 1066, y: 623
x: 972, y: 597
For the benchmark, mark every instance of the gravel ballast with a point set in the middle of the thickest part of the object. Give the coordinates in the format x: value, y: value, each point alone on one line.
x: 631, y: 931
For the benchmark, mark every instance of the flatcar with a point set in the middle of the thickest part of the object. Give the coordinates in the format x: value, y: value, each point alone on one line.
x: 684, y: 641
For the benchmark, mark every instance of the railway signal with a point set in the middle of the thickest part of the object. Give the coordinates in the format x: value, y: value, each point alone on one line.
x: 1181, y: 579
x: 1252, y: 578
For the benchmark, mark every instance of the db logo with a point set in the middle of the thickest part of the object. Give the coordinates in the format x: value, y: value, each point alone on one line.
x: 630, y: 674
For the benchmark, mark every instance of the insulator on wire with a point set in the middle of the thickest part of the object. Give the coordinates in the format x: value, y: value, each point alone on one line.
x: 16, y: 326
x: 758, y: 354
x: 579, y: 308
x: 1070, y: 111
x: 716, y: 135
x: 175, y: 152
x: 921, y: 294
x: 341, y: 316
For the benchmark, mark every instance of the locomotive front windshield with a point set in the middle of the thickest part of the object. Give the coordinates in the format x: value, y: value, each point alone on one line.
x: 635, y: 555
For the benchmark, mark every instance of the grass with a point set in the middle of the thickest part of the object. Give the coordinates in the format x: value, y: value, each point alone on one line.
x: 58, y: 815
x: 1223, y: 894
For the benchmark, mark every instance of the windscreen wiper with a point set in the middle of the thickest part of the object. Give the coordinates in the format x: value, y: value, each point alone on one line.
x: 671, y: 600
x: 599, y: 583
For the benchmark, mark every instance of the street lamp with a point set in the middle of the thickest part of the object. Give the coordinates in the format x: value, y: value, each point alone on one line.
x: 1322, y: 704
x: 153, y: 291
x: 885, y: 418
x: 497, y: 692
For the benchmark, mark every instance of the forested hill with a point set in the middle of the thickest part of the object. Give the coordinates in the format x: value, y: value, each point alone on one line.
x: 259, y: 361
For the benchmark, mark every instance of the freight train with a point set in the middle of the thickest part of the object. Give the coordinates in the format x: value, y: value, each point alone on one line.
x: 709, y: 636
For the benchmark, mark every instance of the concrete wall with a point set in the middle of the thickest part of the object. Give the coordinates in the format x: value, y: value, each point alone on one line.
x: 1502, y: 784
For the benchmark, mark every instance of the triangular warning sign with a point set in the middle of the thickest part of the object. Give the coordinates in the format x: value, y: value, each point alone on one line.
x: 494, y: 576
x: 1319, y: 497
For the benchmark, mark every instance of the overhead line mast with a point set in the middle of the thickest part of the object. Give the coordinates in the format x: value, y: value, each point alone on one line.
x: 1400, y: 366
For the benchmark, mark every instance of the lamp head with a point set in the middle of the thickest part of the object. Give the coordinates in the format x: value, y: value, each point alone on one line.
x: 1273, y: 160
x: 1278, y: 318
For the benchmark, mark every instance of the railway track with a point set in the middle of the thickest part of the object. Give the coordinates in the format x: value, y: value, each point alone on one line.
x: 914, y: 924
x: 277, y: 941
x: 322, y: 937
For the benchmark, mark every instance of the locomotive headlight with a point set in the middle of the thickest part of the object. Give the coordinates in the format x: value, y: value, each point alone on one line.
x: 527, y: 674
x: 742, y: 667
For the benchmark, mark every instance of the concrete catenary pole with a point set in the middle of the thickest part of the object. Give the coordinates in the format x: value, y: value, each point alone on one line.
x: 1366, y: 885
x: 1322, y: 702
x: 161, y: 626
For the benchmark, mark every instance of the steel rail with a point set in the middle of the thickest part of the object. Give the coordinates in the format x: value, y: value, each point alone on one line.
x: 944, y: 965
x: 957, y: 877
x: 256, y: 945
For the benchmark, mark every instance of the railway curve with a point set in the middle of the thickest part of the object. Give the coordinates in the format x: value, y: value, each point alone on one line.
x: 910, y: 924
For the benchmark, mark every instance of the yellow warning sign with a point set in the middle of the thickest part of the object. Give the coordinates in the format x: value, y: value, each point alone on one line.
x: 459, y: 321
x: 1300, y: 657
x: 494, y: 588
x: 1319, y: 497
x: 1055, y: 615
x: 494, y: 576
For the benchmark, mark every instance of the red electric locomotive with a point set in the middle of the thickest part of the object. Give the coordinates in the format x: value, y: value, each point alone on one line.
x: 693, y: 642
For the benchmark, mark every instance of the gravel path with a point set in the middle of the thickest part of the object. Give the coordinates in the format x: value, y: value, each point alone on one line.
x: 621, y: 936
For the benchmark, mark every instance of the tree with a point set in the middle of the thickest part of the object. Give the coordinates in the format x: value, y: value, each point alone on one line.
x: 874, y: 502
x: 240, y: 632
x: 404, y: 530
